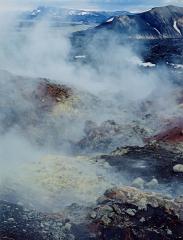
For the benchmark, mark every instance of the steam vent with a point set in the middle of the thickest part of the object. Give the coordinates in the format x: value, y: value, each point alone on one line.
x: 91, y: 120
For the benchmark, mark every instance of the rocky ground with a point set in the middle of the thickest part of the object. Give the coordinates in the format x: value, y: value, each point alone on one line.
x: 149, y: 158
x: 127, y: 213
x: 19, y: 223
x: 102, y: 169
x: 124, y: 213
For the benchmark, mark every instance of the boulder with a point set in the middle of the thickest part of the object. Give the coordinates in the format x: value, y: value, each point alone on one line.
x: 178, y: 168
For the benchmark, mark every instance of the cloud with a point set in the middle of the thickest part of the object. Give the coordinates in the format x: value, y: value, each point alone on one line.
x: 114, y: 90
x: 134, y: 5
x: 20, y: 5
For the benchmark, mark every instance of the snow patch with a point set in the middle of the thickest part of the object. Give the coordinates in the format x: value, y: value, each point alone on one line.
x: 157, y: 31
x: 84, y: 13
x: 36, y: 12
x: 80, y: 56
x: 147, y: 64
x: 80, y: 13
x: 72, y: 12
x: 110, y: 20
x: 138, y: 62
x: 176, y: 28
x: 176, y: 66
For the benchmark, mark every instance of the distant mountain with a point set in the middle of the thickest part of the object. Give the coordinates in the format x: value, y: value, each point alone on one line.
x: 156, y: 36
x: 162, y: 22
x: 157, y: 23
x: 56, y: 14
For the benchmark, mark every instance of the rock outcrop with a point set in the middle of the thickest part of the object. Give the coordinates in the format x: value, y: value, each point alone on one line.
x: 122, y: 213
x: 109, y: 134
x: 127, y: 213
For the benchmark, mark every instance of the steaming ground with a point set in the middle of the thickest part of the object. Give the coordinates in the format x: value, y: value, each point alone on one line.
x: 38, y: 166
x: 51, y: 182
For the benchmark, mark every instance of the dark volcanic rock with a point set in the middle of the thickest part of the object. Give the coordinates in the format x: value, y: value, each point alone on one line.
x: 124, y: 213
x: 17, y: 223
x: 147, y: 162
x: 130, y: 214
x: 165, y: 50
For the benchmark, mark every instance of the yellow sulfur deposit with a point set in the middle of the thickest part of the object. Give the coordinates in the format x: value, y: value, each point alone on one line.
x: 79, y: 179
x: 67, y: 107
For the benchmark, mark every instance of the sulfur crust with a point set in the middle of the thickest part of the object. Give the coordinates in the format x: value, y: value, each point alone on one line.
x: 79, y: 176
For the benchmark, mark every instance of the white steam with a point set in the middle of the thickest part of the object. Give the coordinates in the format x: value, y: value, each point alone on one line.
x: 117, y: 83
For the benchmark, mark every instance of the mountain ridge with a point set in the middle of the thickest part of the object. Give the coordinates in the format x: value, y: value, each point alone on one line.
x: 159, y: 22
x: 71, y: 15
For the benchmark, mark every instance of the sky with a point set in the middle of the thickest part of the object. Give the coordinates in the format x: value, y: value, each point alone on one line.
x: 130, y: 5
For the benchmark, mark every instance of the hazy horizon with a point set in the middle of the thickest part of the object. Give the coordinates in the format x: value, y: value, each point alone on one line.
x: 130, y: 5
